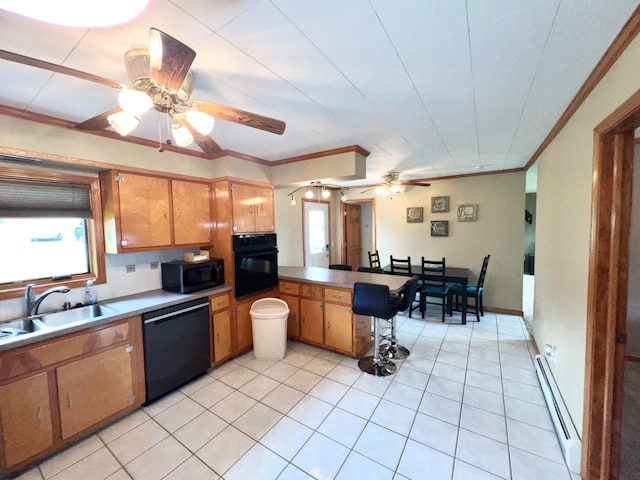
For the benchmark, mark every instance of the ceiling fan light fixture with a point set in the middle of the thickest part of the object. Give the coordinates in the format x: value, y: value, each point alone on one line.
x: 181, y: 135
x: 123, y: 122
x: 395, y: 188
x: 202, y: 122
x: 379, y: 189
x: 134, y: 102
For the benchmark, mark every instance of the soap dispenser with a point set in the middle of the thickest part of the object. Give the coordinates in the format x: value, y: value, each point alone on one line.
x: 90, y: 295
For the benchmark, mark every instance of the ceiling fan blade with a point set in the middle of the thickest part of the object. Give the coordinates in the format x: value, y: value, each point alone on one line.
x: 52, y: 67
x: 240, y: 116
x: 169, y: 60
x: 205, y: 142
x: 98, y: 122
x: 417, y: 184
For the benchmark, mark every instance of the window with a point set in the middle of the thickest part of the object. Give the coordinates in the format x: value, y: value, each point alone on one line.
x: 48, y: 230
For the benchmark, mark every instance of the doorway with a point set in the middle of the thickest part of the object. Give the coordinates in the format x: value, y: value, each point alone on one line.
x: 358, y: 231
x: 316, y: 232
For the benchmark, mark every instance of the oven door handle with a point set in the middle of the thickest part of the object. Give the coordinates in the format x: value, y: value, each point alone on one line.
x: 176, y: 313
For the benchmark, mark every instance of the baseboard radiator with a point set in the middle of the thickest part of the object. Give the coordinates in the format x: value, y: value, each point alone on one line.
x: 566, y: 431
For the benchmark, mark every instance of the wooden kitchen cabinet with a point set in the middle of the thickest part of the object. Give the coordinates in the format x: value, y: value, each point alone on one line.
x: 220, y: 328
x: 293, y: 322
x: 244, y: 330
x: 252, y: 207
x: 55, y: 391
x: 311, y: 320
x: 144, y: 212
x: 25, y: 415
x: 338, y: 326
x: 82, y: 385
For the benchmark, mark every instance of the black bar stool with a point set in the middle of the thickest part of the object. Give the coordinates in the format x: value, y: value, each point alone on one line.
x: 374, y: 300
x: 401, y: 303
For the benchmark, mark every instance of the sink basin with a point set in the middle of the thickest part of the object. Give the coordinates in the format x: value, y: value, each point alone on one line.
x: 58, y: 319
x: 19, y: 327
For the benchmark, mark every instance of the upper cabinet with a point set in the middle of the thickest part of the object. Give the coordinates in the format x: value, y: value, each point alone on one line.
x: 143, y: 212
x: 252, y: 208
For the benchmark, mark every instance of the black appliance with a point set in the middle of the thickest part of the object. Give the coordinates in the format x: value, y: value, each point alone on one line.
x: 255, y: 259
x: 186, y: 277
x: 176, y: 346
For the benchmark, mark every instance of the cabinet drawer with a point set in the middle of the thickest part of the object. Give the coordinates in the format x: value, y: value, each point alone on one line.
x: 337, y: 295
x: 312, y: 291
x: 220, y: 302
x: 290, y: 288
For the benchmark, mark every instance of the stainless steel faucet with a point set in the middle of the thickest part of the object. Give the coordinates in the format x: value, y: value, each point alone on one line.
x: 33, y: 303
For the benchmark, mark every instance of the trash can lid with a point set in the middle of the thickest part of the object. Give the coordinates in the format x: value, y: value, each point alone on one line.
x: 269, y: 308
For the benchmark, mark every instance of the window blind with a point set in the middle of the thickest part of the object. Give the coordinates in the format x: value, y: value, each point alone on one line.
x: 22, y: 198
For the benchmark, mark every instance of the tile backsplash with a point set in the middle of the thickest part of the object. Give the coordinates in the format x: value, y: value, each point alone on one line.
x: 127, y: 273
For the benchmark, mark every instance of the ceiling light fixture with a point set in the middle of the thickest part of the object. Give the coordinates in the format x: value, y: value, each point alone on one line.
x: 123, y: 122
x: 293, y: 200
x: 134, y: 102
x: 181, y: 134
x: 77, y: 13
x: 309, y: 193
x: 202, y: 122
x: 324, y: 191
x: 343, y: 196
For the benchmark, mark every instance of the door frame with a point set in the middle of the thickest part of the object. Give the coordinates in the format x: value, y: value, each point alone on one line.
x: 607, y: 289
x: 374, y: 230
x: 304, y: 228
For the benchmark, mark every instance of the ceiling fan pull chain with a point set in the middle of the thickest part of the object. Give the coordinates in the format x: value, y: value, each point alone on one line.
x: 160, y: 148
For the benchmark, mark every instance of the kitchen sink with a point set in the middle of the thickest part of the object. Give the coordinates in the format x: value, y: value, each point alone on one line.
x: 19, y: 327
x: 66, y: 317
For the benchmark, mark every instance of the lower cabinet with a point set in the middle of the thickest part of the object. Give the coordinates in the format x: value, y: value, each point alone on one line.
x: 220, y: 328
x: 56, y: 390
x: 244, y: 328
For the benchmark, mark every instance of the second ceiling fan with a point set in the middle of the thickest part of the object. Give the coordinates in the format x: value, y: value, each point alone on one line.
x: 392, y: 184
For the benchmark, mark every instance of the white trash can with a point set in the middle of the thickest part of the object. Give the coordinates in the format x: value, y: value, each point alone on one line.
x: 269, y: 322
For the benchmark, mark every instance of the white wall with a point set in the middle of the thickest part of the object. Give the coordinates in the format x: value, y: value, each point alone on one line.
x: 563, y: 230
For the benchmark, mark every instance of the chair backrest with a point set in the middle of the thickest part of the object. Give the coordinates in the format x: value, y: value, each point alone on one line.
x: 401, y: 266
x: 374, y: 260
x: 341, y: 266
x: 370, y: 269
x: 409, y: 293
x: 483, y: 272
x: 371, y: 299
x: 433, y: 268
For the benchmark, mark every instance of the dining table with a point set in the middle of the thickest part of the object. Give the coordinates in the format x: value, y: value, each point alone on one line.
x: 451, y: 275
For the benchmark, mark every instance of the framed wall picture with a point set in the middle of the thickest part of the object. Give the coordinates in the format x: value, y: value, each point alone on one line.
x: 414, y: 215
x: 439, y: 204
x: 468, y: 212
x: 439, y: 228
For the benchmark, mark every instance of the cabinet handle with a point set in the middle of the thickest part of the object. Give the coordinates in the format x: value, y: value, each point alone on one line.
x: 328, y: 324
x: 179, y: 213
x: 69, y: 401
x: 251, y: 209
x: 39, y: 413
x: 164, y: 212
x: 217, y: 338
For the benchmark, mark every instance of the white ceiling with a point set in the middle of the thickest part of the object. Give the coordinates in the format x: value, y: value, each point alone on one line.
x: 430, y: 87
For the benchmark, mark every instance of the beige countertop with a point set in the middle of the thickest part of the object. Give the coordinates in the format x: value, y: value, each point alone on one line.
x: 339, y: 278
x: 123, y: 307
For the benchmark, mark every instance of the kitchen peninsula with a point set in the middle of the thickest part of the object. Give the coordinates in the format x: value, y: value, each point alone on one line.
x: 320, y: 302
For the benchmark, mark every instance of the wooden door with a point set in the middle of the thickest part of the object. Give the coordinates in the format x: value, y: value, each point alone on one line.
x: 25, y: 418
x: 293, y: 322
x: 243, y: 325
x: 243, y: 200
x: 263, y: 209
x: 338, y: 322
x: 221, y: 335
x: 353, y: 240
x: 145, y: 213
x: 94, y: 388
x: 311, y: 320
x: 191, y: 214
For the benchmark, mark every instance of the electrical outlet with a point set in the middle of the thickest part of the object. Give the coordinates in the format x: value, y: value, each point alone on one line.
x: 550, y: 352
x: 131, y: 268
x: 154, y: 265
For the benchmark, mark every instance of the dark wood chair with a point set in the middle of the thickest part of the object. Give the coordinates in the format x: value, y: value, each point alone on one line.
x: 401, y: 266
x: 341, y: 266
x: 374, y: 260
x: 434, y: 286
x: 473, y: 292
x: 370, y: 269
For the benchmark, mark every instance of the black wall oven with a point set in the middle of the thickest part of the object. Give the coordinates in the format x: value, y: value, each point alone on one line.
x: 255, y: 259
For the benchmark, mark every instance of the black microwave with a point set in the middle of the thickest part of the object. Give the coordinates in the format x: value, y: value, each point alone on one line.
x: 186, y: 277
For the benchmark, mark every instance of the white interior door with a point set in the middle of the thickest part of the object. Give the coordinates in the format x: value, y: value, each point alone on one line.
x: 316, y: 234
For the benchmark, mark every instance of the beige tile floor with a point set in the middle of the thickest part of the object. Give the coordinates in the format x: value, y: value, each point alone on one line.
x: 465, y: 405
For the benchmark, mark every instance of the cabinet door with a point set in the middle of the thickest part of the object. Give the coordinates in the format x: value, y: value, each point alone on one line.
x: 94, y: 388
x: 25, y: 416
x: 311, y: 326
x: 221, y: 335
x: 191, y: 213
x: 145, y: 214
x: 243, y: 200
x: 293, y: 322
x: 338, y: 322
x: 264, y: 213
x: 243, y: 325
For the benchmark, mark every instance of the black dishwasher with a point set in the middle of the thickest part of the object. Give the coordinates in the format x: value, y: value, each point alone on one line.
x: 176, y: 346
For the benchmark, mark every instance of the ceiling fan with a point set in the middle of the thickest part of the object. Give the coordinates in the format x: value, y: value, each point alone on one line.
x: 393, y: 184
x: 161, y: 78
